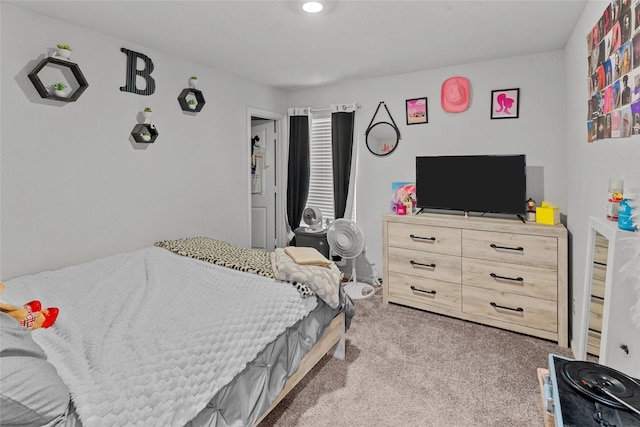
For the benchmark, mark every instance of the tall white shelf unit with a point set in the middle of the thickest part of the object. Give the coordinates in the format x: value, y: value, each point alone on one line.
x: 620, y: 338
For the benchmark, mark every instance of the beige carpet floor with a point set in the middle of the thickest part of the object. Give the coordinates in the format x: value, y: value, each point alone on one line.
x: 406, y: 367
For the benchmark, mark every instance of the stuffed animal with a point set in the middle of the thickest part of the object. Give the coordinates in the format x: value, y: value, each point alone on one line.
x: 31, y: 315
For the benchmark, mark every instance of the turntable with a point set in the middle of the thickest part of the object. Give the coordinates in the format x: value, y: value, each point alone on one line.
x: 581, y: 393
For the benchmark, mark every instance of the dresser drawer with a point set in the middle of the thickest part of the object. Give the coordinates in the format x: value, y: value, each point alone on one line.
x: 593, y: 343
x: 601, y: 252
x: 595, y: 314
x: 520, y: 279
x: 599, y: 277
x: 425, y: 238
x: 425, y: 264
x: 512, y: 308
x: 539, y: 251
x: 424, y: 293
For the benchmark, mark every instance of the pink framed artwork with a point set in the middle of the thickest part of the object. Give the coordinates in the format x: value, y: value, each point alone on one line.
x: 505, y: 104
x: 417, y: 111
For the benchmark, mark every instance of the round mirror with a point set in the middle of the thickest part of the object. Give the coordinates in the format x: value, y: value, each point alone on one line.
x: 382, y: 138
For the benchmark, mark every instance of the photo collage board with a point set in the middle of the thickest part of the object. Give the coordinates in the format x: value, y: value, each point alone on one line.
x: 614, y: 72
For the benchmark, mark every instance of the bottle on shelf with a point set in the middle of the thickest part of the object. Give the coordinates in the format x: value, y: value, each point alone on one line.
x: 625, y: 215
x: 615, y: 196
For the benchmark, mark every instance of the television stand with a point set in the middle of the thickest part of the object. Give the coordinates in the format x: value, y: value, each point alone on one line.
x: 521, y: 218
x: 493, y: 271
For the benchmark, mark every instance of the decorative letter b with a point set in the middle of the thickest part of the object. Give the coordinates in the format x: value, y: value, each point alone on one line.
x: 132, y: 72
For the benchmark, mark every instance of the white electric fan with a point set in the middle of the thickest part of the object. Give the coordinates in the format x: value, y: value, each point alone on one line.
x: 313, y: 218
x: 346, y: 240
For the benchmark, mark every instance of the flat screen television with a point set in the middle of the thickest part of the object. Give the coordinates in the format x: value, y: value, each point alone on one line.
x: 475, y: 183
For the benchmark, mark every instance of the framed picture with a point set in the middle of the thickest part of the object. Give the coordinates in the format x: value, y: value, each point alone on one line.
x: 417, y: 111
x: 505, y: 104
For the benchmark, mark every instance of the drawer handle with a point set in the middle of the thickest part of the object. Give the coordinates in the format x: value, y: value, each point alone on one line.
x: 515, y: 279
x: 414, y: 237
x: 413, y: 288
x: 494, y: 305
x: 420, y: 264
x: 519, y: 248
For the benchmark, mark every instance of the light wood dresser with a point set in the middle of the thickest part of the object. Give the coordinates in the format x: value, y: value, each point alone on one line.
x: 597, y: 294
x: 494, y: 271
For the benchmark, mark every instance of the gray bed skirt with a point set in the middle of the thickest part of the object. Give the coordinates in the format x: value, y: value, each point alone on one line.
x: 242, y: 401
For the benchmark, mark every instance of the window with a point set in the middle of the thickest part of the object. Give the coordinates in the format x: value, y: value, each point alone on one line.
x: 320, y: 159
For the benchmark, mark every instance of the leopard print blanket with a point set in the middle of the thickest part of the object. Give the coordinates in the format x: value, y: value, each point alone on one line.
x: 256, y: 261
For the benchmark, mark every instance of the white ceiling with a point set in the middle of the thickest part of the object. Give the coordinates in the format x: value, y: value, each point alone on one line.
x: 275, y: 43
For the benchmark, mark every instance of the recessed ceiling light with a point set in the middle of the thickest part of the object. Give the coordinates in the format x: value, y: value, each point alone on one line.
x: 312, y: 7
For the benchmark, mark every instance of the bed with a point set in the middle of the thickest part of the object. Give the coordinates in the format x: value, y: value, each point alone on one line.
x: 188, y: 332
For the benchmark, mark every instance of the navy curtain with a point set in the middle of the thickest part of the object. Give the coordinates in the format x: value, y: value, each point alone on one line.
x: 342, y: 124
x: 298, y: 170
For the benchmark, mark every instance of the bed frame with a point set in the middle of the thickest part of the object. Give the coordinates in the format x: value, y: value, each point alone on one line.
x: 332, y: 342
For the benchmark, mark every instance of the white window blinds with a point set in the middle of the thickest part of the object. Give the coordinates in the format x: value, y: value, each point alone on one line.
x: 321, y: 173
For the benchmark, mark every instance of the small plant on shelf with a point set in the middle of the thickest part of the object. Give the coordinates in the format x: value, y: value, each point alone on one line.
x: 192, y: 103
x: 193, y: 81
x: 58, y: 89
x: 146, y: 135
x: 64, y: 50
x: 146, y: 113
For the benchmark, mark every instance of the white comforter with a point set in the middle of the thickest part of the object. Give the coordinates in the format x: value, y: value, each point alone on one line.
x: 147, y: 338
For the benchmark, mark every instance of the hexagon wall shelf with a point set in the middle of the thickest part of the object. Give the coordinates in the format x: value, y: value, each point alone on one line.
x: 75, y: 70
x: 139, y: 129
x: 182, y: 99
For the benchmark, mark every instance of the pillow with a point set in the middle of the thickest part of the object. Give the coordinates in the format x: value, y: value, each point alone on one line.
x: 31, y: 392
x: 324, y: 281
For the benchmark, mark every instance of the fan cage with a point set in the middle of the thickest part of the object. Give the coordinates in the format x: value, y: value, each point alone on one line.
x: 345, y: 238
x: 312, y: 217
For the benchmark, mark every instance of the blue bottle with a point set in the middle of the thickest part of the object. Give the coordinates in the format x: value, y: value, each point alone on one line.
x: 624, y: 216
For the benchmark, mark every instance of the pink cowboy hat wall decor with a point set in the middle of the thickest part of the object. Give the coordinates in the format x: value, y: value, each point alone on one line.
x: 505, y: 104
x: 455, y: 94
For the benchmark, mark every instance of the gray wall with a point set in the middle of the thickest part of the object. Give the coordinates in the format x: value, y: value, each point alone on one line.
x: 538, y: 133
x: 73, y: 185
x: 589, y: 166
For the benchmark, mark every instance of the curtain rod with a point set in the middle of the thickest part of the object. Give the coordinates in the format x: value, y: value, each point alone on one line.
x: 316, y: 110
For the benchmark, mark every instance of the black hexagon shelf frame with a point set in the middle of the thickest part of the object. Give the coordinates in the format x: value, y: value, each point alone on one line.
x: 75, y: 70
x: 182, y: 99
x: 139, y: 129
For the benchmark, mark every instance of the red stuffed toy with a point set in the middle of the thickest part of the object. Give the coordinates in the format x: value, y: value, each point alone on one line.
x: 31, y: 315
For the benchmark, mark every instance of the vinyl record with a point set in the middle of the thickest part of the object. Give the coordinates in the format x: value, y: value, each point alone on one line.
x: 588, y: 377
